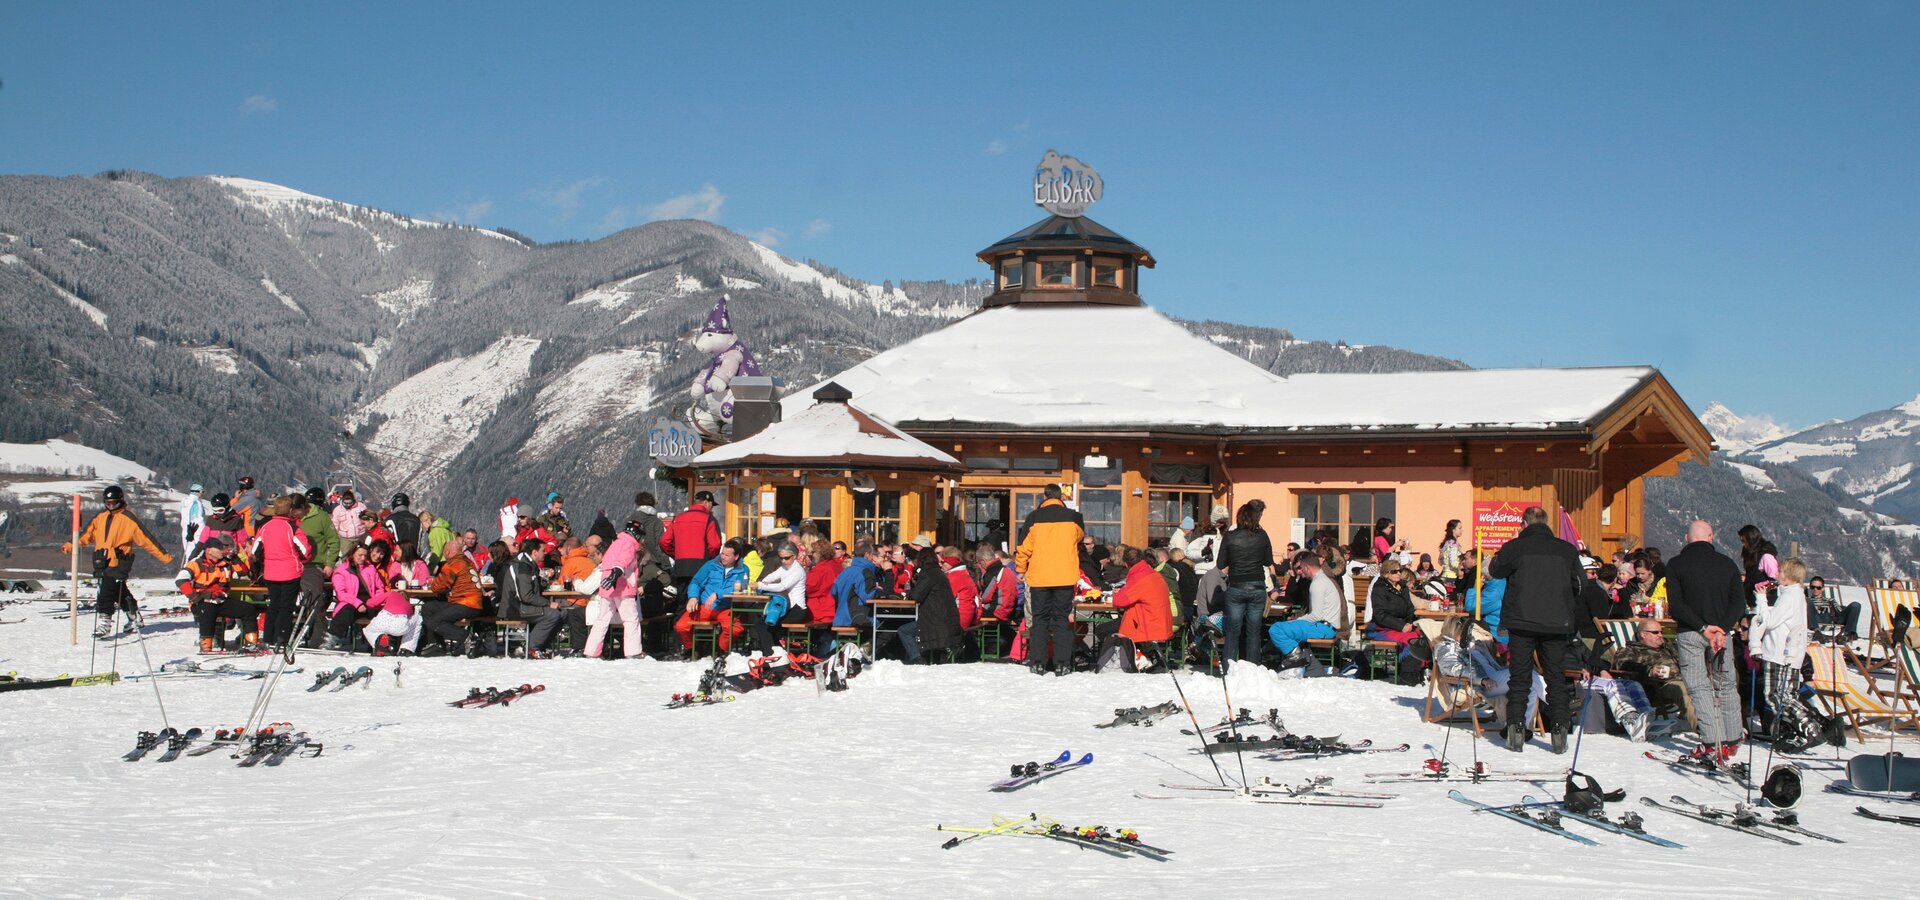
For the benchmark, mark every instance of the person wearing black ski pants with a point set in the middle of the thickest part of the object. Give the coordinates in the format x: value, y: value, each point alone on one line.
x: 1052, y: 624
x: 282, y: 601
x: 1552, y: 650
x: 113, y: 595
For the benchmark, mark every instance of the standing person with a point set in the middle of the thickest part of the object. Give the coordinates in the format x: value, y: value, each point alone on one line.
x: 1540, y: 612
x: 645, y: 516
x: 316, y: 577
x: 554, y: 520
x: 248, y: 503
x: 203, y: 582
x: 347, y: 520
x: 1451, y: 556
x: 193, y: 513
x: 936, y: 624
x: 1705, y: 599
x: 113, y: 534
x: 627, y: 567
x: 221, y: 523
x: 439, y: 531
x: 1204, y: 546
x: 401, y: 522
x: 1779, y: 637
x: 1181, y: 535
x: 692, y: 538
x: 285, y: 551
x: 1246, y: 556
x: 1383, y: 539
x: 1049, y: 558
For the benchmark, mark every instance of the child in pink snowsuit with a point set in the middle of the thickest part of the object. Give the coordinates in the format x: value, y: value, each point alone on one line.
x: 619, y: 590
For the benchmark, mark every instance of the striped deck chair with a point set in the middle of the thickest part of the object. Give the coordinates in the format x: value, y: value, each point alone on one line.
x: 1905, y: 695
x: 1618, y: 632
x: 1842, y: 690
x: 1884, y: 601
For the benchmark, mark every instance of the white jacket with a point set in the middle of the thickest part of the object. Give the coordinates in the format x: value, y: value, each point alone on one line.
x: 1198, y: 547
x: 1779, y: 632
x: 789, y: 580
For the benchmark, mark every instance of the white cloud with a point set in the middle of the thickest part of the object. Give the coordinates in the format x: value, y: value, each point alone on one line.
x: 701, y: 204
x: 768, y: 237
x: 996, y: 147
x: 469, y: 214
x: 565, y: 200
x: 817, y: 228
x: 258, y: 103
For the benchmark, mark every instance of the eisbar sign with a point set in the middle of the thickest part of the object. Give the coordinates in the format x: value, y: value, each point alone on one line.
x: 1065, y: 186
x: 672, y: 444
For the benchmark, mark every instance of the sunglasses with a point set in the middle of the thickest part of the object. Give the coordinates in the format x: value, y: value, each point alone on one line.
x: 786, y: 556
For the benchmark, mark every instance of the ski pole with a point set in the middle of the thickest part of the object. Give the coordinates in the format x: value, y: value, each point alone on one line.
x: 1233, y: 722
x: 1197, y: 734
x: 1753, y: 691
x: 140, y: 632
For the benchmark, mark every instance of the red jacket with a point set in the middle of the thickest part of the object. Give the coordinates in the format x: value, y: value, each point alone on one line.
x: 285, y: 548
x: 966, y: 595
x: 820, y: 603
x: 536, y: 533
x: 692, y: 537
x: 1002, y: 595
x: 1147, y: 610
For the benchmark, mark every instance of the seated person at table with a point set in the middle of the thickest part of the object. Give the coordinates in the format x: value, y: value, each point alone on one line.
x: 521, y: 585
x: 355, y: 580
x: 966, y: 594
x: 1325, y: 617
x: 707, y: 596
x: 936, y: 625
x: 1390, y: 606
x: 786, y: 588
x: 395, y: 624
x: 1146, y: 608
x: 1649, y: 660
x: 999, y: 584
x: 203, y: 582
x: 857, y: 585
x: 459, y: 581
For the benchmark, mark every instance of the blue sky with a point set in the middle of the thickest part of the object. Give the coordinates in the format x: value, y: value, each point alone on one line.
x: 1728, y: 191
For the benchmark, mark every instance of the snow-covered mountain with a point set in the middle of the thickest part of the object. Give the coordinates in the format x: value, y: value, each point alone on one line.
x: 1736, y: 433
x: 1871, y: 458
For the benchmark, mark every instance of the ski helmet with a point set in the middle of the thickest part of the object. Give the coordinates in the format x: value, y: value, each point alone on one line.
x: 315, y: 495
x: 400, y: 499
x: 221, y: 503
x: 246, y: 482
x: 113, y: 494
x: 196, y: 487
x: 636, y: 528
x: 1782, y: 787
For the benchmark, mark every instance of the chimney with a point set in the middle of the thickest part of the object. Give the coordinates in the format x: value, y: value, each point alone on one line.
x: 756, y: 404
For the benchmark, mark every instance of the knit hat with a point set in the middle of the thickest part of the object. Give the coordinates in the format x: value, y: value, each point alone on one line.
x: 1186, y: 524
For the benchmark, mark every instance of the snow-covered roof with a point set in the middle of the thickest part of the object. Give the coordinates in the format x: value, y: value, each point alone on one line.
x: 1095, y: 367
x: 832, y: 434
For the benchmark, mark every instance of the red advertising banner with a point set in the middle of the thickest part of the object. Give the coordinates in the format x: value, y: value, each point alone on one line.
x: 1496, y: 522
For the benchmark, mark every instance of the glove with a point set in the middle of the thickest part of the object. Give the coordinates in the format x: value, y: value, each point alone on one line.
x: 613, y: 578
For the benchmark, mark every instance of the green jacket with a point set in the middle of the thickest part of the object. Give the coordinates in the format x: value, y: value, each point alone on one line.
x: 437, y: 538
x: 326, y: 541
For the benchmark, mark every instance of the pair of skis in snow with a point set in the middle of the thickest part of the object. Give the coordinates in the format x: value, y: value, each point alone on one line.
x: 174, y: 740
x: 1438, y: 770
x: 1118, y: 842
x: 477, y: 698
x: 341, y: 679
x: 1550, y: 817
x: 274, y: 748
x: 697, y: 699
x: 1316, y: 791
x: 1143, y: 715
x: 1033, y: 772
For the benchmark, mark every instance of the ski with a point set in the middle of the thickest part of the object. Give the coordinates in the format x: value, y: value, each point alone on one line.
x: 1630, y: 824
x: 1143, y: 715
x: 287, y: 747
x: 1361, y: 748
x: 1242, y: 719
x: 1253, y: 795
x: 476, y: 695
x: 177, y: 743
x: 29, y: 684
x: 1228, y: 743
x: 147, y: 741
x: 364, y: 672
x: 1783, y: 819
x: 974, y: 834
x: 1049, y: 831
x: 507, y: 697
x: 1736, y: 773
x: 1722, y: 819
x: 1436, y: 770
x: 221, y: 738
x: 1886, y: 817
x: 1548, y: 821
x: 1032, y: 772
x: 681, y: 701
x: 1318, y: 787
x: 1846, y: 787
x: 325, y: 678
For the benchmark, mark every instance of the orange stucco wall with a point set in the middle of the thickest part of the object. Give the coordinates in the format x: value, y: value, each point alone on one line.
x: 1425, y: 496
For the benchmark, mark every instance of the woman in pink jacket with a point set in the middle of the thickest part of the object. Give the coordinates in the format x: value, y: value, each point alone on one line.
x: 355, y: 580
x: 284, y: 550
x: 620, y: 589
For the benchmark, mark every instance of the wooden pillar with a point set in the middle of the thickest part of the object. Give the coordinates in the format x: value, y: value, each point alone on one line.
x: 1133, y: 504
x: 842, y: 517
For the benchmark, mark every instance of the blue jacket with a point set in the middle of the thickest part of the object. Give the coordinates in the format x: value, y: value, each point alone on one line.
x: 714, y: 578
x: 854, y: 587
x: 1490, y: 602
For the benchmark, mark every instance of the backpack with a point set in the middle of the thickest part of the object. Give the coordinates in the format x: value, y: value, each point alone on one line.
x: 1116, y: 655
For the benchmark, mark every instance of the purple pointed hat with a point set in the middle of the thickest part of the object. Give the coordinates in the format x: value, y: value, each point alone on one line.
x: 717, y: 320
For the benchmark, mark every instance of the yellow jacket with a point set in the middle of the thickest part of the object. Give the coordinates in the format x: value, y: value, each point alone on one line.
x: 1049, y: 551
x: 117, y: 532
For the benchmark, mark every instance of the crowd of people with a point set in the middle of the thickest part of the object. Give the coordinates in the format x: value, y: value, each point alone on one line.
x: 411, y: 583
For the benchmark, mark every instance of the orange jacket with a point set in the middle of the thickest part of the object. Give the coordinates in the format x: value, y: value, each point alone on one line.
x: 1049, y: 553
x: 117, y: 532
x: 201, y: 577
x: 458, y: 581
x: 1147, y: 607
x: 577, y: 564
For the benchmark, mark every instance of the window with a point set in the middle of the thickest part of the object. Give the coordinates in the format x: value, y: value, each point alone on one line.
x: 1013, y: 272
x: 1344, y: 513
x: 1106, y: 272
x: 1101, y: 509
x: 1165, y: 509
x: 876, y: 514
x: 1055, y: 273
x: 1013, y: 463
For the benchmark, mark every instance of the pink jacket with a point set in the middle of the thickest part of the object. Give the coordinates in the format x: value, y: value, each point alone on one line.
x: 347, y: 521
x: 623, y: 555
x: 347, y: 586
x: 285, y: 547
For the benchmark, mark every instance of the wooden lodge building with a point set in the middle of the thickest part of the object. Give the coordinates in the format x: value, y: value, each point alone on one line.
x: 1065, y: 376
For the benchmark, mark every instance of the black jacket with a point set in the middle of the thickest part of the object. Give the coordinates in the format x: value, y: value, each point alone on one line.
x: 1703, y: 588
x: 1543, y: 582
x: 939, y: 613
x: 1245, y: 553
x: 405, y: 527
x: 1390, y: 608
x: 519, y: 587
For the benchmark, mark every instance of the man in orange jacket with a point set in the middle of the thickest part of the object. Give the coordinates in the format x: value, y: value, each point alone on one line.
x: 113, y: 534
x: 1049, y: 559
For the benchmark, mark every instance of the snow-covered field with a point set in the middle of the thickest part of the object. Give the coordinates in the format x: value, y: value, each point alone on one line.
x: 591, y: 789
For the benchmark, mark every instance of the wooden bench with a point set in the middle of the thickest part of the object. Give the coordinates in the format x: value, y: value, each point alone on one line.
x: 843, y: 634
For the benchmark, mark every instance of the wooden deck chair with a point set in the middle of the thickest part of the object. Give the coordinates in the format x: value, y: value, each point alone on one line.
x: 1618, y: 632
x: 1454, y: 694
x: 1884, y: 601
x: 1905, y: 695
x: 1839, y: 686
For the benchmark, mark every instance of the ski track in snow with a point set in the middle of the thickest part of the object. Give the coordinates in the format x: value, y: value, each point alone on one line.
x: 592, y: 789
